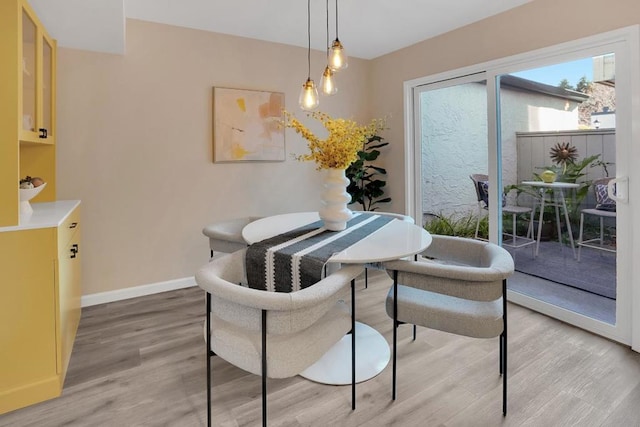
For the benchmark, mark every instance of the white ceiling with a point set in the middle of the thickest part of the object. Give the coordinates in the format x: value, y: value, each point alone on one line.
x: 367, y: 28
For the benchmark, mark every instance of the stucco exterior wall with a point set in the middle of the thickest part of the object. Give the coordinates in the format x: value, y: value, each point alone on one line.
x: 530, y: 112
x: 454, y: 145
x: 454, y: 139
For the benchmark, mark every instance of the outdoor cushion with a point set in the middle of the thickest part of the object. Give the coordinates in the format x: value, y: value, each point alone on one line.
x: 603, y: 201
x: 483, y: 186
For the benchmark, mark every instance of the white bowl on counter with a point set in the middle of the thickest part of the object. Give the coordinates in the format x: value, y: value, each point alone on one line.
x: 27, y: 194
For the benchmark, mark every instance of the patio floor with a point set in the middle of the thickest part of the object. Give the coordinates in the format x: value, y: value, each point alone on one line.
x: 561, y: 280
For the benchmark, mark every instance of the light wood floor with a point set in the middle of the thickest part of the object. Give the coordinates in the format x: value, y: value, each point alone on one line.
x: 141, y: 362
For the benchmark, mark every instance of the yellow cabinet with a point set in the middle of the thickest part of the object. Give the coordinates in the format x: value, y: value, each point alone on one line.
x: 68, y: 286
x: 37, y: 66
x: 40, y: 262
x: 39, y: 304
x: 27, y: 106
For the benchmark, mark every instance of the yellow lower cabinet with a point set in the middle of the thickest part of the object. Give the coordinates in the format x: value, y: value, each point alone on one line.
x: 69, y: 294
x: 28, y: 371
x: 39, y: 311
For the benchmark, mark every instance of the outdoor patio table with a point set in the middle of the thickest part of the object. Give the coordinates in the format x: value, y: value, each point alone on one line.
x: 559, y: 202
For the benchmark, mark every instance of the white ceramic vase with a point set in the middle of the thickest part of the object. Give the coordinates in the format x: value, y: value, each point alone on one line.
x: 335, y: 198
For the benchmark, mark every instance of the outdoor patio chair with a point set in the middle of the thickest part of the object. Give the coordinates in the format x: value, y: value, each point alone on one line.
x: 605, y: 208
x: 481, y: 185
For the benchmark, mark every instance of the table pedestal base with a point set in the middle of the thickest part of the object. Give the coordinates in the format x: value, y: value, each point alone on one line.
x: 372, y: 356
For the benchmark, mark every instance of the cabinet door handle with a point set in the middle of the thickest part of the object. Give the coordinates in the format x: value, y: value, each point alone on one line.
x: 73, y: 225
x: 74, y: 250
x: 43, y: 133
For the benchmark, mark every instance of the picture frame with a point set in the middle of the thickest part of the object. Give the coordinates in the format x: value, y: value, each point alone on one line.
x: 247, y: 126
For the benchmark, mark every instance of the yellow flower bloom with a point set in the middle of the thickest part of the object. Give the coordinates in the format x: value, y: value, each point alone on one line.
x: 341, y: 146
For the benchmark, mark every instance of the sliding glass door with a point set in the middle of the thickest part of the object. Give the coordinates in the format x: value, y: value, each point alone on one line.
x: 566, y: 110
x: 452, y: 129
x: 562, y: 118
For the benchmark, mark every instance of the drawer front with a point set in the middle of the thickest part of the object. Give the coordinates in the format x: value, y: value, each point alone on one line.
x: 67, y: 229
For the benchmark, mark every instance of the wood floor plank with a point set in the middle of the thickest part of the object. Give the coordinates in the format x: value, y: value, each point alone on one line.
x: 626, y: 413
x: 607, y: 380
x: 141, y: 362
x: 572, y: 411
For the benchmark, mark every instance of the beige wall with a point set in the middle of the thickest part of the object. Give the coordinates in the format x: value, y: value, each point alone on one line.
x: 534, y: 25
x: 135, y: 130
x: 134, y: 144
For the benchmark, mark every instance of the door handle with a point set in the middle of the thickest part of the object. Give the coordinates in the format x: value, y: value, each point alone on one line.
x: 618, y: 189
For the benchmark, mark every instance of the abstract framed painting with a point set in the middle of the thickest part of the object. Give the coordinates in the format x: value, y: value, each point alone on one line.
x: 247, y: 125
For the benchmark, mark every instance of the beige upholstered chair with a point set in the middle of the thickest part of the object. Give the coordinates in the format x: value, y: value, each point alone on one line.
x: 605, y: 208
x: 272, y: 334
x: 226, y: 236
x: 459, y: 286
x: 480, y: 182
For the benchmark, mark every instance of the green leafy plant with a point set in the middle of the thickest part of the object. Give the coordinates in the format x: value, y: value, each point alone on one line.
x: 365, y: 187
x: 458, y: 225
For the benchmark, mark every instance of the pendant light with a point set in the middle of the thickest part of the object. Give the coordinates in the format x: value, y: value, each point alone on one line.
x: 308, y: 100
x: 337, y: 57
x: 328, y: 83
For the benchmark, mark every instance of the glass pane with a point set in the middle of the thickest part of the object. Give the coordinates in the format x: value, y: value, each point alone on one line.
x: 454, y: 148
x: 47, y: 74
x: 28, y: 73
x: 558, y: 125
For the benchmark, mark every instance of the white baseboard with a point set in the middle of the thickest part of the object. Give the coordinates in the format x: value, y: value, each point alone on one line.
x: 137, y: 291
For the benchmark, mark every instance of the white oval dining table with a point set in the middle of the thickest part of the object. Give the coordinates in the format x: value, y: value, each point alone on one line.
x: 397, y: 239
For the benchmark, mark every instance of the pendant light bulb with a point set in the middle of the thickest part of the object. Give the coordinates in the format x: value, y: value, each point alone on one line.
x: 308, y: 100
x: 337, y: 56
x: 328, y: 82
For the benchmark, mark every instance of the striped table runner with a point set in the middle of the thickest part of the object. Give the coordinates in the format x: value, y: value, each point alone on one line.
x: 295, y: 260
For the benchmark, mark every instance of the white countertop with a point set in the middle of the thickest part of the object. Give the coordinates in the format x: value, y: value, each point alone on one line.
x: 45, y: 215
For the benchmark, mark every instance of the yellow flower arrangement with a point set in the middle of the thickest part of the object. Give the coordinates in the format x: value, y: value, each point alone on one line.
x: 341, y: 146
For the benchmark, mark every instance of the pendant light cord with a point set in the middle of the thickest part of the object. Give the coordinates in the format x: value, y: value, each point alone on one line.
x: 337, y: 38
x: 327, y: 29
x: 308, y: 39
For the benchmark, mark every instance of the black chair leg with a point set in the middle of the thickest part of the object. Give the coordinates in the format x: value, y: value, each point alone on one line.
x: 501, y: 351
x: 353, y: 344
x: 208, y: 344
x: 366, y: 278
x: 504, y: 345
x: 414, y: 332
x: 395, y: 332
x: 264, y: 368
